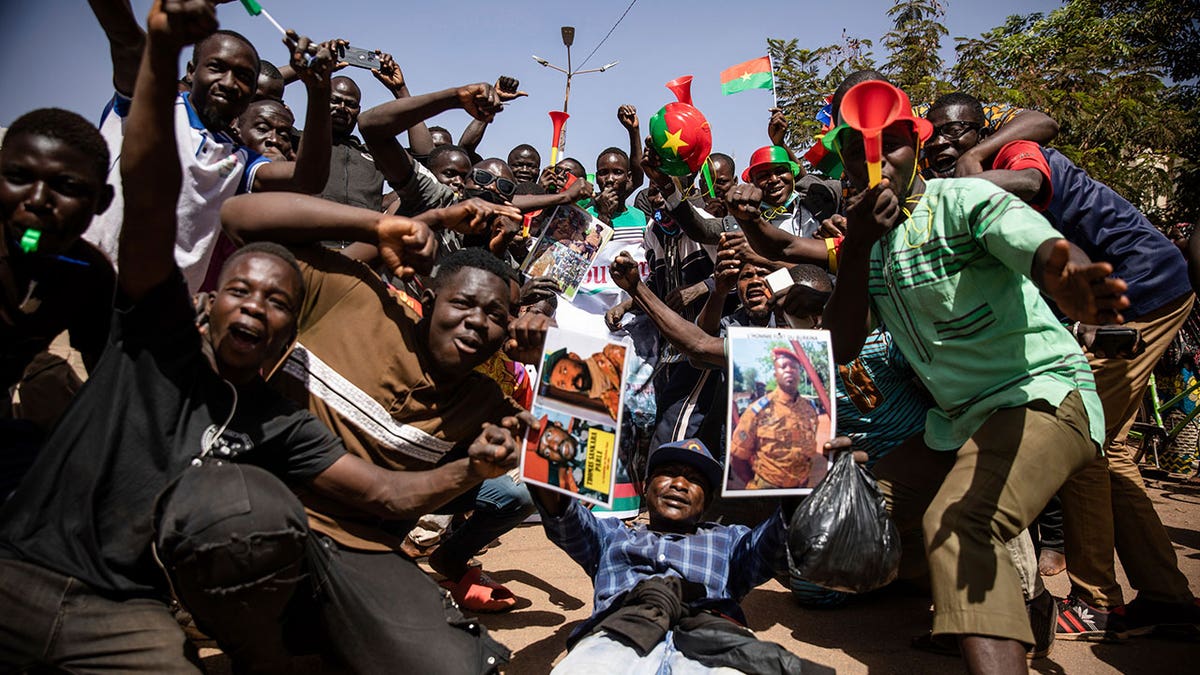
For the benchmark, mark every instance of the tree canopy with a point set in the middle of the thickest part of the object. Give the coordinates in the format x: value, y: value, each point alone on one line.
x: 1119, y: 76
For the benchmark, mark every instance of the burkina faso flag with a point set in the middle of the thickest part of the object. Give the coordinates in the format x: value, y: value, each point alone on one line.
x: 753, y: 74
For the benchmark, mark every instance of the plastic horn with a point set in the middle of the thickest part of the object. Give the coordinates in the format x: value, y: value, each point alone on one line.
x: 559, y: 118
x: 682, y: 88
x: 870, y: 107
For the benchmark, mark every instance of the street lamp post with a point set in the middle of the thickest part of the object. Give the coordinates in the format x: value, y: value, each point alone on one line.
x: 568, y: 38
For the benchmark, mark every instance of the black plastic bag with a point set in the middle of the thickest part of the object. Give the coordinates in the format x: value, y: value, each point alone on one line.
x: 841, y: 536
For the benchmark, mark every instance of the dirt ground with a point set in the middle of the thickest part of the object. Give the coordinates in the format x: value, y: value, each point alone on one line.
x: 870, y: 635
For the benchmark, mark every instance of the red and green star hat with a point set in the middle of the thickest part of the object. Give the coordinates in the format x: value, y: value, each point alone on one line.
x: 682, y: 137
x: 767, y: 155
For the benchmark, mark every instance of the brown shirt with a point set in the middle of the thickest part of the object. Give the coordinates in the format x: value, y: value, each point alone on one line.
x: 361, y: 367
x: 778, y: 436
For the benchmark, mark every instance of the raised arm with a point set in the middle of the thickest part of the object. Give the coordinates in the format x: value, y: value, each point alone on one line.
x: 725, y: 277
x: 126, y: 41
x: 150, y: 170
x: 380, y: 125
x: 628, y: 117
x: 309, y: 173
x: 390, y: 76
x: 687, y: 337
x: 777, y: 128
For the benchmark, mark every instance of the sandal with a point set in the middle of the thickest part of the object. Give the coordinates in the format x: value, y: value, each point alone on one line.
x: 476, y: 592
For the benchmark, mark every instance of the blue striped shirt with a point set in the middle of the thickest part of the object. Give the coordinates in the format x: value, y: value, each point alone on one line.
x: 728, y: 560
x: 879, y: 405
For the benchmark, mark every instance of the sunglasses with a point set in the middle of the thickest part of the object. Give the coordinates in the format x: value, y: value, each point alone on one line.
x: 483, y: 179
x: 952, y: 131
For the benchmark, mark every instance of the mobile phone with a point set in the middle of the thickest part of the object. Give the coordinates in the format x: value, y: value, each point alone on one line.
x: 780, y: 280
x: 360, y: 58
x: 730, y: 224
x: 1116, y: 342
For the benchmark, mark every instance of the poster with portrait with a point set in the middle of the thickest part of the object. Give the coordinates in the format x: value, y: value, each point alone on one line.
x: 781, y: 411
x: 566, y: 242
x: 578, y: 405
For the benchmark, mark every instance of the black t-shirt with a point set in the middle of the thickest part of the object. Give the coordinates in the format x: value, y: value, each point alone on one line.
x: 73, y: 292
x: 85, y: 509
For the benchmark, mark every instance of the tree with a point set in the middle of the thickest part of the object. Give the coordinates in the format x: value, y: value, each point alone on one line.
x: 1098, y: 68
x: 804, y: 78
x: 914, y: 63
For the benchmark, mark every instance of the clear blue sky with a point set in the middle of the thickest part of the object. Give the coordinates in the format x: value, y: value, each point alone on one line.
x: 57, y: 55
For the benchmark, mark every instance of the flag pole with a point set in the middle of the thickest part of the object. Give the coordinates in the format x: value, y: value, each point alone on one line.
x: 771, y: 62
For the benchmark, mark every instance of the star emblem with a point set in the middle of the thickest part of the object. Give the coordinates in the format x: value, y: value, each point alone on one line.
x: 746, y: 75
x: 674, y: 141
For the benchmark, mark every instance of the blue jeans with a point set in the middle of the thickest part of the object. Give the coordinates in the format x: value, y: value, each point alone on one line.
x: 500, y: 505
x: 599, y: 654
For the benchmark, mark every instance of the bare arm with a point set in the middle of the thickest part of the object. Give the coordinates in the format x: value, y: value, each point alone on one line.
x: 1028, y: 125
x: 767, y: 240
x: 1026, y: 184
x: 390, y: 76
x: 628, y: 117
x: 725, y: 274
x: 410, y: 494
x: 687, y: 337
x: 309, y: 173
x: 380, y: 125
x: 869, y: 215
x: 472, y: 136
x: 150, y: 170
x: 126, y: 41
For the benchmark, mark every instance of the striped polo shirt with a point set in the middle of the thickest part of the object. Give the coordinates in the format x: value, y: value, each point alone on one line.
x: 950, y: 283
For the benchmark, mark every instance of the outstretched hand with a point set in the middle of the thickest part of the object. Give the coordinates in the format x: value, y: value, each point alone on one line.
x: 406, y: 246
x: 652, y: 167
x: 472, y: 216
x: 1082, y: 291
x: 314, y: 72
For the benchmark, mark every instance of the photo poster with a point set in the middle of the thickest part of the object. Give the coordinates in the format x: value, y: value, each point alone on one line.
x: 578, y: 403
x: 568, y: 240
x: 782, y: 411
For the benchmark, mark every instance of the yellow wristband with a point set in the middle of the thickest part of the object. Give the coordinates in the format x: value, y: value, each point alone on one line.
x: 831, y: 249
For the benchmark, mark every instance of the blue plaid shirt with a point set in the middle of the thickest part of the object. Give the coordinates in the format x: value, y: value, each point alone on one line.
x: 728, y: 560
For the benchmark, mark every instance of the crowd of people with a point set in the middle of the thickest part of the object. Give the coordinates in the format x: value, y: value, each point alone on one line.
x: 255, y: 374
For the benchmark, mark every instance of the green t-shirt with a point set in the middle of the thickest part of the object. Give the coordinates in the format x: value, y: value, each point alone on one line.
x: 950, y: 283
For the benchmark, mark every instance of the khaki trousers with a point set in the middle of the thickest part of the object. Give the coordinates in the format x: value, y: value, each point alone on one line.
x: 1105, y: 506
x: 984, y: 496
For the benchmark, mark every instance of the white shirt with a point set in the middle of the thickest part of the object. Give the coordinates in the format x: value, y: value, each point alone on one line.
x: 215, y: 168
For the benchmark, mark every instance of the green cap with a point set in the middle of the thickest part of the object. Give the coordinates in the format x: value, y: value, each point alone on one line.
x: 29, y: 240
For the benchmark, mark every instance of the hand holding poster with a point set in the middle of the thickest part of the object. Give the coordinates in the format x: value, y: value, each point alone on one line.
x: 567, y: 242
x: 578, y: 406
x: 781, y: 411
